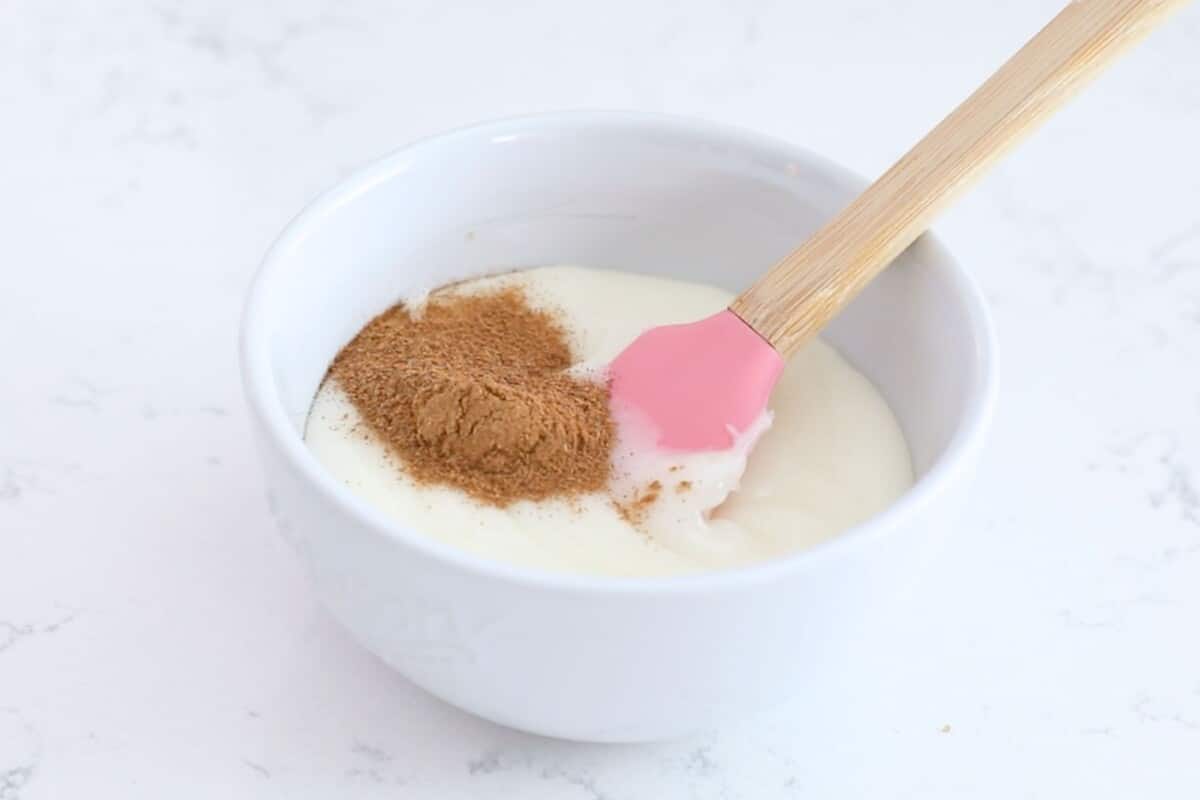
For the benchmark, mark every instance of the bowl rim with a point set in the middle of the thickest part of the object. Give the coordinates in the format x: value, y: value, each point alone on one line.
x: 266, y: 406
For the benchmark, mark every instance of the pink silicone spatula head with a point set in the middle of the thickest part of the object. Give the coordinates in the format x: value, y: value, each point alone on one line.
x: 700, y: 383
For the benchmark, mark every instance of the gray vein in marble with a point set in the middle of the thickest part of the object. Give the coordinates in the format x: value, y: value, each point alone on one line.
x: 371, y: 753
x: 1078, y: 621
x: 1161, y: 451
x: 20, y: 479
x: 11, y: 487
x: 221, y: 44
x: 485, y: 764
x: 257, y: 768
x: 700, y: 761
x: 495, y: 761
x: 1108, y: 732
x: 582, y: 781
x: 80, y: 393
x: 148, y: 132
x: 150, y: 411
x: 111, y: 88
x: 792, y: 786
x: 369, y: 773
x: 11, y: 634
x: 1172, y: 255
x: 1180, y: 490
x: 1142, y: 710
x: 11, y: 781
x: 1054, y: 252
x: 374, y: 763
x: 16, y: 774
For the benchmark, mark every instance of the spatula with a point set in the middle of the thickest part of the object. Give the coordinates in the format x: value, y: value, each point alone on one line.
x: 701, y: 383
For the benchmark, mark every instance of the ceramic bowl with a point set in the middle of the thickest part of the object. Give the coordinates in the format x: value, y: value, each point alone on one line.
x: 601, y: 658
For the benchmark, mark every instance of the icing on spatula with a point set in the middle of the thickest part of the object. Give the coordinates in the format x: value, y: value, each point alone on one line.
x: 700, y: 384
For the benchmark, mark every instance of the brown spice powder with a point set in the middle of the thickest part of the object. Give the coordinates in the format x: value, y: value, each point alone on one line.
x: 471, y: 393
x: 635, y: 511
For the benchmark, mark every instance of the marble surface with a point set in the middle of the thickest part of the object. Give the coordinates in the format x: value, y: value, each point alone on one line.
x: 156, y: 637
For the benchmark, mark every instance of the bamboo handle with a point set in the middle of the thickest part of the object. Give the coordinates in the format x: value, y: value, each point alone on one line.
x: 801, y: 293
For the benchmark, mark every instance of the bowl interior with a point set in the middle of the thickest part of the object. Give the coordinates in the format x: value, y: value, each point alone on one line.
x: 628, y: 192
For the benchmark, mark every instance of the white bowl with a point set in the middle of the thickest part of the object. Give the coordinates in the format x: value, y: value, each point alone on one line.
x: 599, y: 658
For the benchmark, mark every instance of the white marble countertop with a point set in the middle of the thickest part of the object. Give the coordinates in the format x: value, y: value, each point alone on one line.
x: 156, y: 637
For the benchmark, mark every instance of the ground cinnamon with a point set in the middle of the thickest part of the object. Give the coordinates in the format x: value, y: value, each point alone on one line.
x: 470, y: 392
x: 635, y: 510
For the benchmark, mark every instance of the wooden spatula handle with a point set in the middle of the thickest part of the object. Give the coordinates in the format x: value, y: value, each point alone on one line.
x: 792, y: 302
